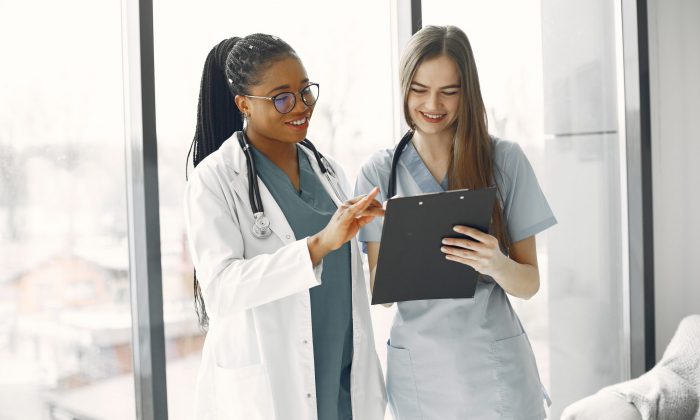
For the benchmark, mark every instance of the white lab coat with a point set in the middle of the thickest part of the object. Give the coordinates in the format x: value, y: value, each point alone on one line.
x: 258, y: 357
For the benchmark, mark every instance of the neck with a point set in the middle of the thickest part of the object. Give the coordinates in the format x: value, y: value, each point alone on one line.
x: 434, y: 147
x: 281, y: 153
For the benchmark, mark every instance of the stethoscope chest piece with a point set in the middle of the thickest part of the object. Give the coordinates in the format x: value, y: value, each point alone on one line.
x: 261, y: 226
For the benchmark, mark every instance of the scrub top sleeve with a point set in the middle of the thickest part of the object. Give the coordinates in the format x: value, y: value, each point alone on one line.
x: 366, y: 180
x: 526, y: 209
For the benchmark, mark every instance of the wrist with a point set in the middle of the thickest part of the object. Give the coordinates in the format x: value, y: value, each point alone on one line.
x: 317, y: 248
x: 501, y: 268
x: 323, y: 243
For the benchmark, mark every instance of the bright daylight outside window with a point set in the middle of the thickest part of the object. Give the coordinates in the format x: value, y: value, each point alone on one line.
x: 65, y: 321
x: 548, y: 75
x: 343, y: 47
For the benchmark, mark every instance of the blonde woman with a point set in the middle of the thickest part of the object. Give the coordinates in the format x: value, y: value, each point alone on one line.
x: 461, y: 358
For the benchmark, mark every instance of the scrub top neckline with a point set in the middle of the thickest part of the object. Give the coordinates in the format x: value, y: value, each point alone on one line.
x: 279, y: 171
x: 420, y: 172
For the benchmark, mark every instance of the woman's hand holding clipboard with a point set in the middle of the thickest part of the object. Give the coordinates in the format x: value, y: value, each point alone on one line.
x: 411, y: 263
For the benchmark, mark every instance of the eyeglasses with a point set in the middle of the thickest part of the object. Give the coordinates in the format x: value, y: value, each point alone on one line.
x: 286, y: 101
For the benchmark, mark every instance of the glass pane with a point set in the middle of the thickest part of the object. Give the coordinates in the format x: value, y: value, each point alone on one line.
x: 344, y: 48
x: 548, y: 77
x: 65, y: 329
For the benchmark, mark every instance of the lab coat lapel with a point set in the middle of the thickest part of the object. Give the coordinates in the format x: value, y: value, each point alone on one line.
x: 324, y: 181
x: 278, y: 223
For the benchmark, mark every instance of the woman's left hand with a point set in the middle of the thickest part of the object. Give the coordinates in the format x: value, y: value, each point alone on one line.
x: 482, y: 254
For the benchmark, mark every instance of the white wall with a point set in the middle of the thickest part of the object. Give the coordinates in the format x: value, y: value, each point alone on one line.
x: 674, y: 56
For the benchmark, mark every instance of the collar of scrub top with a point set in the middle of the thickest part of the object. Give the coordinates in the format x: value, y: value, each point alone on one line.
x: 261, y: 226
x: 391, y: 190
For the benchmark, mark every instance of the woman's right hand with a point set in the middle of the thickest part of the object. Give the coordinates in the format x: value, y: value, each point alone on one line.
x: 344, y: 224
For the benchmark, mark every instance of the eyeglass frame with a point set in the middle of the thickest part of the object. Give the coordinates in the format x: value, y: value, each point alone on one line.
x: 294, y: 95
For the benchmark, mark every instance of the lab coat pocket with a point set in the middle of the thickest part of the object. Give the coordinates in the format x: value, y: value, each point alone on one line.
x: 401, y: 384
x: 243, y: 393
x: 519, y: 383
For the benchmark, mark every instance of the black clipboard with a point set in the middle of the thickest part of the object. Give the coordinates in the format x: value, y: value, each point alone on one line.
x: 411, y: 265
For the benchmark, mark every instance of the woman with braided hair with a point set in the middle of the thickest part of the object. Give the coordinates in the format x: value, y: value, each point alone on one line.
x: 278, y: 276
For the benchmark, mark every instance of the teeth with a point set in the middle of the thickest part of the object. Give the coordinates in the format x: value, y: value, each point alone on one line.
x: 298, y: 122
x: 434, y: 116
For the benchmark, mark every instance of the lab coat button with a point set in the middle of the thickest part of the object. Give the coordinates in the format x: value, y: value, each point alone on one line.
x: 308, y: 395
x: 306, y: 341
x: 288, y: 236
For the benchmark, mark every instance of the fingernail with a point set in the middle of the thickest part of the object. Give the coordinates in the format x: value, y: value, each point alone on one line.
x: 444, y: 241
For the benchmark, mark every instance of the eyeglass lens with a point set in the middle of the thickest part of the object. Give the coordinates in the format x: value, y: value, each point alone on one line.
x: 284, y: 102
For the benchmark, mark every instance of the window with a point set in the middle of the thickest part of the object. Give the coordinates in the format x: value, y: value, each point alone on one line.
x: 548, y: 75
x: 345, y: 49
x: 65, y: 329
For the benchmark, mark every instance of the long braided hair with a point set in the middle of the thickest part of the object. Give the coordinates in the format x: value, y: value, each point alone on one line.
x: 231, y: 68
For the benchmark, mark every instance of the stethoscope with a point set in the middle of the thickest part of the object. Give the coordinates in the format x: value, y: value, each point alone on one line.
x: 261, y: 225
x: 391, y: 191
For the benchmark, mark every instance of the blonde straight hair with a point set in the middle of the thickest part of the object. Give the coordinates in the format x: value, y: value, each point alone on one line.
x: 471, y: 165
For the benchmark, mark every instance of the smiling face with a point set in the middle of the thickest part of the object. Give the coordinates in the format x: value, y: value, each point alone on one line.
x: 433, y: 98
x: 264, y: 121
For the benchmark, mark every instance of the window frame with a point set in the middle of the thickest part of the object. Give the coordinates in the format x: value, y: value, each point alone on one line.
x: 145, y: 272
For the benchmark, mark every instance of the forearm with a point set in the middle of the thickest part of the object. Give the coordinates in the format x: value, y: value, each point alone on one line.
x: 372, y: 258
x: 519, y: 280
x: 231, y: 283
x: 317, y: 249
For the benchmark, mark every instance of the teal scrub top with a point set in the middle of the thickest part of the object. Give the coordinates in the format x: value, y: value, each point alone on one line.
x: 308, y: 211
x: 462, y: 358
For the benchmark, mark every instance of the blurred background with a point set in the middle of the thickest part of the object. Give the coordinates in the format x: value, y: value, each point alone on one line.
x: 552, y: 75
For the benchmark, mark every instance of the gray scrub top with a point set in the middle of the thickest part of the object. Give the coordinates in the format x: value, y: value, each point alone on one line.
x: 308, y: 211
x: 463, y: 358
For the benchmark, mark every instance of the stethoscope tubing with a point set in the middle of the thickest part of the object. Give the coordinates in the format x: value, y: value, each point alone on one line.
x: 261, y: 227
x: 391, y: 190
